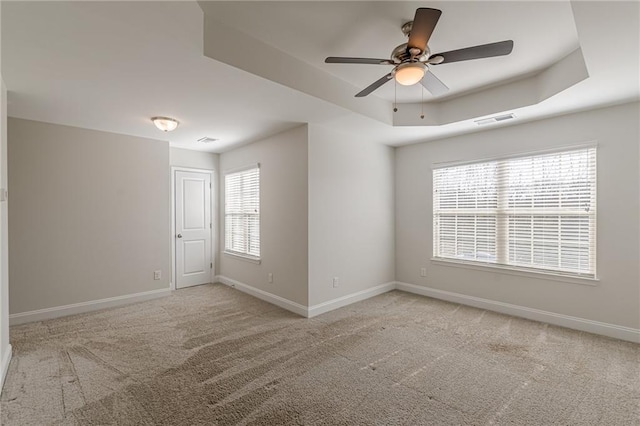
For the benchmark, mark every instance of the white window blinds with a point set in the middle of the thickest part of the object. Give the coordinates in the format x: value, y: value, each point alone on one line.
x: 535, y: 212
x: 242, y: 212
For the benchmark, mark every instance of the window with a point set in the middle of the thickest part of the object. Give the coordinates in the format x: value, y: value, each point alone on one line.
x: 536, y: 212
x: 242, y: 213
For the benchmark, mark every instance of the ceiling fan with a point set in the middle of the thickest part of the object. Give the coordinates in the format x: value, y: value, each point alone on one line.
x: 411, y: 60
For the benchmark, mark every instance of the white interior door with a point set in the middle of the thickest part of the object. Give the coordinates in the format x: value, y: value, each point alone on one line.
x: 193, y: 228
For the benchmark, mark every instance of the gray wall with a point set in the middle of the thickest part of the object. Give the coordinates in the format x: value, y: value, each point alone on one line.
x: 615, y: 298
x: 351, y: 214
x: 90, y: 215
x: 283, y: 215
x: 193, y: 159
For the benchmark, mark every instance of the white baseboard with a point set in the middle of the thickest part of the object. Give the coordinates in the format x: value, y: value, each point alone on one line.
x: 330, y: 305
x: 4, y: 367
x: 79, y: 308
x: 307, y: 312
x: 596, y: 327
x: 576, y: 323
x: 263, y: 295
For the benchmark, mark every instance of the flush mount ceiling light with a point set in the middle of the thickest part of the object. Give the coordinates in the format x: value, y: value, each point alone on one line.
x: 166, y: 124
x: 410, y: 73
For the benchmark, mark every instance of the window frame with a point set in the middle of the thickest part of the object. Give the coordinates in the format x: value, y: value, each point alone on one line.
x: 243, y: 255
x: 514, y: 269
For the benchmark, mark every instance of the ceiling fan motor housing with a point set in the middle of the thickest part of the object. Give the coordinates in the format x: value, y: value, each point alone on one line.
x: 401, y: 54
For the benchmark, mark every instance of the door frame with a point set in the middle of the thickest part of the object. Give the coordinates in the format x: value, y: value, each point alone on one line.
x: 214, y: 219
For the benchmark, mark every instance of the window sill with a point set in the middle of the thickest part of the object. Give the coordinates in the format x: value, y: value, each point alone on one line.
x: 487, y: 267
x: 244, y: 257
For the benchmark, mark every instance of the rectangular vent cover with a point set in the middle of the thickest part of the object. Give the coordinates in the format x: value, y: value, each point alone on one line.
x: 495, y: 119
x: 207, y: 140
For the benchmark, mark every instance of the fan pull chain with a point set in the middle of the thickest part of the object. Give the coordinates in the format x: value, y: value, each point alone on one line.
x: 395, y: 95
x: 422, y: 103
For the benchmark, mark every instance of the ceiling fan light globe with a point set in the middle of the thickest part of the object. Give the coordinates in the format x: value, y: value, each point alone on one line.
x: 409, y: 74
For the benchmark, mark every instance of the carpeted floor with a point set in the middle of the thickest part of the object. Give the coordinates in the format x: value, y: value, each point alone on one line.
x: 212, y: 355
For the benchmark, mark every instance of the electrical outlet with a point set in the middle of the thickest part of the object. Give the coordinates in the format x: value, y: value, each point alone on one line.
x: 270, y: 277
x: 157, y: 275
x: 336, y: 281
x: 423, y: 272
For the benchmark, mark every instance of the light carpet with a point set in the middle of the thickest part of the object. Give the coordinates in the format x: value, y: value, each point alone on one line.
x: 211, y: 355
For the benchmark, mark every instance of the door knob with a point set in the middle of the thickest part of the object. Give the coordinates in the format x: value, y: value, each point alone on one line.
x: 179, y: 235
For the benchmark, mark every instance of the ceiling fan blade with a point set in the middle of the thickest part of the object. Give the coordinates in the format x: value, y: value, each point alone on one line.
x: 340, y: 60
x: 424, y: 23
x: 500, y: 48
x: 433, y: 84
x: 374, y: 86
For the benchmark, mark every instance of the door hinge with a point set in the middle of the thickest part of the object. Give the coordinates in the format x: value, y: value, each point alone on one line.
x: 210, y: 225
x: 211, y: 265
x: 209, y: 185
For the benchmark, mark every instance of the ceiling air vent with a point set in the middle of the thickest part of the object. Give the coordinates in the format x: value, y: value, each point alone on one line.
x: 207, y: 140
x: 495, y: 119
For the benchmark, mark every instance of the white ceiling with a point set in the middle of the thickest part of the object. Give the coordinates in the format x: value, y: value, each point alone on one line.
x: 112, y: 65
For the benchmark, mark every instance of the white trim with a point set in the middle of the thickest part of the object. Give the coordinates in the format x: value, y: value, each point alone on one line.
x: 6, y: 360
x: 241, y: 168
x: 502, y: 215
x: 191, y: 285
x: 242, y: 256
x: 214, y: 219
x: 340, y: 302
x: 223, y: 216
x: 498, y: 268
x: 78, y: 308
x: 263, y: 295
x: 191, y: 169
x: 172, y: 284
x: 555, y: 150
x: 605, y: 329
